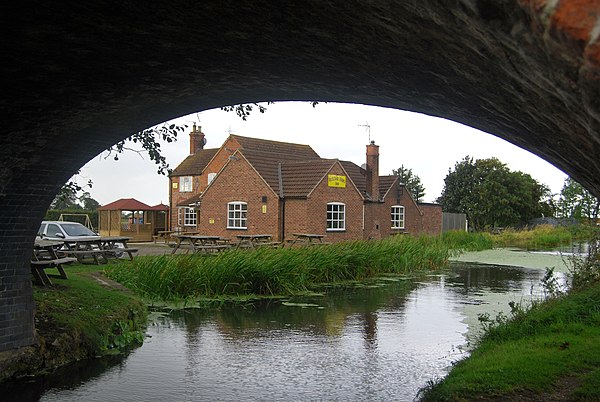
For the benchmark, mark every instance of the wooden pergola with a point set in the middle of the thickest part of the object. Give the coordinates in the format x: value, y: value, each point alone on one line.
x: 132, y: 218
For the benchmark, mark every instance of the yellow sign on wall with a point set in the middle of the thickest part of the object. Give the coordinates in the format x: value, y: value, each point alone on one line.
x: 334, y: 180
x: 175, y: 184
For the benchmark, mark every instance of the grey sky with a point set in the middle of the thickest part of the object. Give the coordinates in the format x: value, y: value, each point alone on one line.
x: 427, y: 145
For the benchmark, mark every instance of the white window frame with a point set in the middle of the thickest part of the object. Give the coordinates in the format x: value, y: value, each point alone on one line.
x: 185, y: 184
x: 237, y: 215
x: 336, y: 216
x: 187, y: 216
x: 210, y: 177
x: 398, y: 214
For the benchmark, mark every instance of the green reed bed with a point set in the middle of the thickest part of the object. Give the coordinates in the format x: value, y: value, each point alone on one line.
x: 275, y: 271
x: 543, y: 236
x: 460, y: 240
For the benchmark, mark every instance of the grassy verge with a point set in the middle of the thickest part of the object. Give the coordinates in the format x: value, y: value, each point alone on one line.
x: 271, y: 272
x: 548, y: 352
x: 554, y: 344
x: 80, y: 318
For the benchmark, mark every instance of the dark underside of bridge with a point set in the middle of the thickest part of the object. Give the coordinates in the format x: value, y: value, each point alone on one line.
x: 78, y: 77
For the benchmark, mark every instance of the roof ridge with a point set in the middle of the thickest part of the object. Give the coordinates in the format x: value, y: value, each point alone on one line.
x: 265, y: 140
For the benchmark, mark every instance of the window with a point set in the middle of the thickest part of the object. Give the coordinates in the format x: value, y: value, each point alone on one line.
x: 211, y: 176
x: 336, y: 216
x: 185, y: 184
x: 397, y: 217
x: 237, y: 215
x: 187, y: 216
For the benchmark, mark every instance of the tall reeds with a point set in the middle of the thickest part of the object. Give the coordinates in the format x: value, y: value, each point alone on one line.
x: 542, y: 237
x: 276, y: 271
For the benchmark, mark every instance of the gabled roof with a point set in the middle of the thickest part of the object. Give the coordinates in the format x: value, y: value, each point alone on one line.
x: 357, y: 174
x: 194, y: 164
x: 297, y: 151
x: 300, y: 177
x: 160, y: 207
x: 385, y: 183
x: 126, y: 204
x: 190, y: 201
x: 267, y: 163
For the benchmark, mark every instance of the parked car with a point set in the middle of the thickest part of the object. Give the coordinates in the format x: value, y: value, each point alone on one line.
x: 64, y: 230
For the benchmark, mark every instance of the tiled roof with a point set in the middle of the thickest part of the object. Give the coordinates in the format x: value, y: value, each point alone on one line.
x: 194, y: 164
x: 189, y: 201
x: 126, y: 204
x: 299, y: 178
x: 357, y: 174
x: 267, y: 163
x: 385, y: 182
x: 299, y: 151
x: 160, y: 207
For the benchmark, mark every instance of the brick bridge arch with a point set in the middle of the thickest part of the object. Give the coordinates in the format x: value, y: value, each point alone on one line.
x: 78, y: 78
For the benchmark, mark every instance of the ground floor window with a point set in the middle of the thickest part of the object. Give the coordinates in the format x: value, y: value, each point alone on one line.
x: 187, y: 216
x: 397, y: 217
x: 237, y: 215
x: 336, y: 216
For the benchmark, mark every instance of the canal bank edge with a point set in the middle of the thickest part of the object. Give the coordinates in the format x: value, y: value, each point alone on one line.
x: 84, y: 317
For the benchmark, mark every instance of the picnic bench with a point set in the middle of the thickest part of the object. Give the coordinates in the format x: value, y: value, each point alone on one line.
x: 116, y: 246
x: 306, y: 239
x: 163, y: 234
x: 256, y: 241
x: 201, y: 244
x: 83, y: 249
x: 45, y: 256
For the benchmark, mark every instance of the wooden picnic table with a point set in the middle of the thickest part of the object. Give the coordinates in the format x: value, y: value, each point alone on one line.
x: 45, y: 256
x: 307, y: 239
x: 257, y: 240
x: 163, y: 234
x: 83, y: 248
x: 116, y: 246
x: 200, y: 243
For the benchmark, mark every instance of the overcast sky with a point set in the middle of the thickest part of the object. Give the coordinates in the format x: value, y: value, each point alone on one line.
x: 427, y: 145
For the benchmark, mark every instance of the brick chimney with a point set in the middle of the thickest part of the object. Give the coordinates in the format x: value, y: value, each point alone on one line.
x: 197, y: 139
x: 373, y: 171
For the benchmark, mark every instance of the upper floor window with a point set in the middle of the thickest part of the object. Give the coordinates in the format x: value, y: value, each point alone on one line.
x: 336, y: 216
x: 211, y: 176
x: 237, y: 215
x: 397, y: 217
x: 185, y: 184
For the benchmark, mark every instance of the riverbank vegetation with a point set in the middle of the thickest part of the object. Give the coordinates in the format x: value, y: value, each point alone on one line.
x: 550, y: 351
x: 80, y: 318
x: 270, y: 272
x: 539, y: 238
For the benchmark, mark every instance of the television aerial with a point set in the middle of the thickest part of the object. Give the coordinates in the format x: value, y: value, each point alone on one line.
x: 367, y: 127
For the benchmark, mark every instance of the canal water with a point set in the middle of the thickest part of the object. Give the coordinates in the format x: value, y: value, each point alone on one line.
x: 381, y: 341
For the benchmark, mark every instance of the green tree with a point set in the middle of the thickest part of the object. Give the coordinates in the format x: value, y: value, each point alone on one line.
x: 411, y: 181
x: 490, y: 194
x: 87, y: 202
x: 576, y: 202
x: 66, y: 198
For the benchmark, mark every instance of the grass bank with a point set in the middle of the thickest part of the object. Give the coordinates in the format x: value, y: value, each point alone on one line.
x: 552, y: 349
x: 269, y: 272
x: 79, y: 318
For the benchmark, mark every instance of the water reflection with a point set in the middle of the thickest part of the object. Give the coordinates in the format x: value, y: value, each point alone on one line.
x: 378, y: 342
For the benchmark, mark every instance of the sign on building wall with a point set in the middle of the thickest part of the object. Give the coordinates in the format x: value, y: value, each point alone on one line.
x: 334, y: 180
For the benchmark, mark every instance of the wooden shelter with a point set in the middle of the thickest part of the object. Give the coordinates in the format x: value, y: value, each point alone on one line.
x: 132, y: 218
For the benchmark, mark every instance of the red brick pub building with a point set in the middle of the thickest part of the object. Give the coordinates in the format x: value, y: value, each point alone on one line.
x: 255, y: 186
